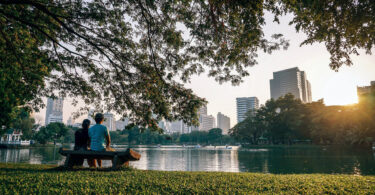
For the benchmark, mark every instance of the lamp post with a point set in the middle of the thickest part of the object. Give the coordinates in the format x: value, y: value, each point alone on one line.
x: 54, y: 140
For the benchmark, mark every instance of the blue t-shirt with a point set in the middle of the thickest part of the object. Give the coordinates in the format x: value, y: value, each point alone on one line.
x: 97, y: 134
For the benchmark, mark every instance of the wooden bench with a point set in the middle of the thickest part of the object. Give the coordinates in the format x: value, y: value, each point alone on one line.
x: 119, y: 158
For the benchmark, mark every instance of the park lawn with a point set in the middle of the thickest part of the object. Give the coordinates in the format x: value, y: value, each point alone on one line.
x: 47, y: 179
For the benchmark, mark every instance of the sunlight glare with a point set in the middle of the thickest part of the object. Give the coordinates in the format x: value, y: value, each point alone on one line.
x: 341, y: 89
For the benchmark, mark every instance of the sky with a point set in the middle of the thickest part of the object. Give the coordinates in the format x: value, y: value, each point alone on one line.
x: 336, y: 88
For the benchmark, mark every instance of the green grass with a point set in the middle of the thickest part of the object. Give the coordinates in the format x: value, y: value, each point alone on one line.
x: 47, y: 179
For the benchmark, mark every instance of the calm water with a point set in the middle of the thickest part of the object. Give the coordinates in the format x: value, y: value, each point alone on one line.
x: 270, y: 160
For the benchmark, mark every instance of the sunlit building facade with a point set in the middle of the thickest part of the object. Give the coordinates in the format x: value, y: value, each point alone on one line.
x: 365, y: 91
x: 291, y: 81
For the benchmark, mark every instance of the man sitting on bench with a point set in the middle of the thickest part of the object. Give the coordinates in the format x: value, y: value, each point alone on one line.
x: 99, y: 137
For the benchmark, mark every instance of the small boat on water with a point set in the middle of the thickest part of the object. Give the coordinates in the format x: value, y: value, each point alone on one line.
x: 197, y: 146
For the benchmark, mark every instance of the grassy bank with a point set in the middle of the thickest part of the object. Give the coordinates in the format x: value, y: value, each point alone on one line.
x: 46, y: 179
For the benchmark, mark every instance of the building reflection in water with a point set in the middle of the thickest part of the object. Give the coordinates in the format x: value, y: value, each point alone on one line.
x: 14, y: 155
x: 187, y: 159
x: 273, y: 160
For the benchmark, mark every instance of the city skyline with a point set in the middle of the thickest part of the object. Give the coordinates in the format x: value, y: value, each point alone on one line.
x: 337, y: 88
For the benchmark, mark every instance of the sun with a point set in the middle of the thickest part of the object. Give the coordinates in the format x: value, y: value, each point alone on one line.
x: 341, y: 89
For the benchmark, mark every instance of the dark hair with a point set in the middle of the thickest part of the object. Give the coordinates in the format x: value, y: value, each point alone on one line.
x: 86, y: 123
x: 99, y: 117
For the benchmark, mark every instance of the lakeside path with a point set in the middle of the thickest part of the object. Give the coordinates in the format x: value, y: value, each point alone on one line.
x: 46, y: 179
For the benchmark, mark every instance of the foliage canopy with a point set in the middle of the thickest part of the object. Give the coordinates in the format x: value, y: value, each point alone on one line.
x: 133, y: 57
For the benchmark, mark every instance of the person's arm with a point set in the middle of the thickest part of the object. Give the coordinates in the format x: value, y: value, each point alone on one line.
x: 107, y: 138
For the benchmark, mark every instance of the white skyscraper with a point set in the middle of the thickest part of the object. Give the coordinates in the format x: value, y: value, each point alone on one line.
x: 54, y: 112
x: 202, y: 110
x: 291, y: 81
x: 109, y: 121
x: 244, y: 104
x: 207, y: 122
x: 223, y: 122
x: 178, y: 127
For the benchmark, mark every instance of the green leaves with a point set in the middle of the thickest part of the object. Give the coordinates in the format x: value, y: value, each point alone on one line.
x: 51, y: 132
x: 134, y: 57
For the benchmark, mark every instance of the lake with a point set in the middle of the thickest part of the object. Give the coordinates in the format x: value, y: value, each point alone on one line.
x: 283, y: 160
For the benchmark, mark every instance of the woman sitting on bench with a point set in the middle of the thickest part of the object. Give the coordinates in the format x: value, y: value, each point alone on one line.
x: 99, y: 137
x: 81, y: 140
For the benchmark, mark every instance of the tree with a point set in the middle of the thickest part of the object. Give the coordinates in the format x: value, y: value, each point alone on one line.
x: 51, y: 132
x: 69, y: 137
x: 23, y: 122
x: 215, y: 135
x: 132, y: 57
x: 133, y: 134
x: 278, y: 120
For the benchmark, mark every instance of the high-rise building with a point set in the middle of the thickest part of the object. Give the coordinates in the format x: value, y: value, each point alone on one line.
x: 202, y: 110
x: 178, y: 127
x: 206, y: 122
x: 54, y: 112
x: 109, y: 121
x: 292, y: 81
x: 223, y: 122
x: 121, y: 124
x: 365, y: 91
x: 309, y: 95
x: 165, y: 125
x: 244, y: 105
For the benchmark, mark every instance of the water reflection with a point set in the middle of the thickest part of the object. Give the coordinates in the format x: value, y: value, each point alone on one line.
x: 275, y: 160
x: 181, y: 159
x: 45, y: 155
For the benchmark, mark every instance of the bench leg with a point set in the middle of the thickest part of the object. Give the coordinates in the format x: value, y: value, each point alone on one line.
x: 68, y: 161
x: 115, y: 162
x: 119, y: 162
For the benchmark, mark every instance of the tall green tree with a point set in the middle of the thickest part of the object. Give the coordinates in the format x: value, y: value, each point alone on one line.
x: 51, y: 132
x: 133, y: 57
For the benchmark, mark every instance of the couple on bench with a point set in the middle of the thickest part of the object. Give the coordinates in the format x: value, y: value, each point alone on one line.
x: 95, y: 138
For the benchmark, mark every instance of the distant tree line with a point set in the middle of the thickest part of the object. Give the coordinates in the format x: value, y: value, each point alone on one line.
x: 135, y: 136
x: 287, y: 121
